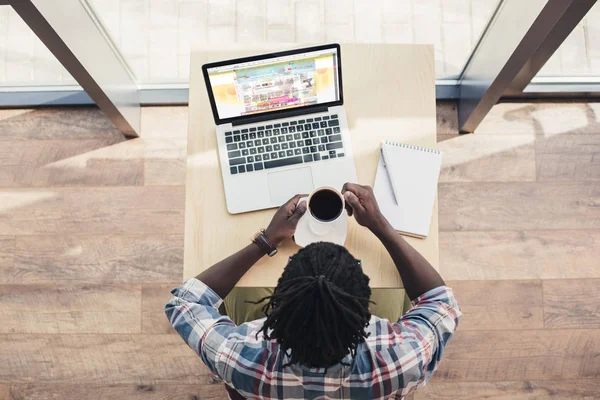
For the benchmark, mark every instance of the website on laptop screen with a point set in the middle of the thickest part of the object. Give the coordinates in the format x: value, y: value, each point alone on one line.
x: 274, y: 84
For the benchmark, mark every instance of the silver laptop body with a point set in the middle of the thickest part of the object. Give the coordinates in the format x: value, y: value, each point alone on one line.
x: 281, y: 127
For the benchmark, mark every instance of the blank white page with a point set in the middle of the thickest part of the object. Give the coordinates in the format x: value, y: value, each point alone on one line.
x: 415, y: 171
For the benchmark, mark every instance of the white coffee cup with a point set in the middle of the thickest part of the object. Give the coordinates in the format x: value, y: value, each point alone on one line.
x: 324, y: 207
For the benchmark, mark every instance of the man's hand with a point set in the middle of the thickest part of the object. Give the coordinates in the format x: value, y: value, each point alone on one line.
x: 361, y: 203
x: 224, y: 275
x: 283, y: 224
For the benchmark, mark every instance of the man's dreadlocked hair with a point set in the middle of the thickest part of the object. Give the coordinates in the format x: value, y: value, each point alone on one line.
x: 320, y: 307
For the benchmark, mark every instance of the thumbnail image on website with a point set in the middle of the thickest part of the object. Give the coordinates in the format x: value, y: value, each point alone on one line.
x: 270, y: 85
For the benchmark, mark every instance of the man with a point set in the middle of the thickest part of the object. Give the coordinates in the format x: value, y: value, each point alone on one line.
x: 319, y: 339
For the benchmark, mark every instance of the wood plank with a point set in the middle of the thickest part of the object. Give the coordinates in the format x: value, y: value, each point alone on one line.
x: 60, y: 308
x: 96, y: 258
x: 519, y: 205
x: 581, y: 389
x: 209, y: 390
x: 499, y: 305
x: 164, y: 161
x: 568, y: 158
x: 97, y: 162
x: 56, y: 123
x: 567, y: 118
x: 7, y: 252
x: 572, y: 303
x: 92, y: 210
x: 165, y: 122
x: 99, y: 359
x: 442, y: 138
x: 513, y: 118
x: 519, y: 255
x: 5, y: 393
x: 547, y: 119
x: 512, y: 355
x: 154, y: 298
x: 446, y: 117
x: 473, y: 158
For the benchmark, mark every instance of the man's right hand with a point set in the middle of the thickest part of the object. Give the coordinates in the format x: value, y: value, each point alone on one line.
x: 361, y: 202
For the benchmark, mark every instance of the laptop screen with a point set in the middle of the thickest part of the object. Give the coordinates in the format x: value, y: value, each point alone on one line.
x: 274, y: 83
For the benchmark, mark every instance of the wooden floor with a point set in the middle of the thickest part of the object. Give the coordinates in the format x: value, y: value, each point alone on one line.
x: 91, y: 242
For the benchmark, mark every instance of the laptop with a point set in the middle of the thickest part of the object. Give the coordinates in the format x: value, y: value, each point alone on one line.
x: 281, y: 127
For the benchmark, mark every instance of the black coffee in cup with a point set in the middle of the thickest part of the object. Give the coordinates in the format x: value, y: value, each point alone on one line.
x: 325, y: 205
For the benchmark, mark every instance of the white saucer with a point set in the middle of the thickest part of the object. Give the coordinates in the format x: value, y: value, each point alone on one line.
x: 305, y: 235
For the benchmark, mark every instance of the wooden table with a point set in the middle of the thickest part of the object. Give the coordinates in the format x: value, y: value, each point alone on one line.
x: 389, y: 94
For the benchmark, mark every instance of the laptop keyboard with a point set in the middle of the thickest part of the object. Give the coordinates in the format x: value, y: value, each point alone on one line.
x: 269, y: 146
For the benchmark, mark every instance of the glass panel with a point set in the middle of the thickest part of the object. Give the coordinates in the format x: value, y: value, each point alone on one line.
x: 579, y: 54
x: 155, y: 36
x: 24, y: 59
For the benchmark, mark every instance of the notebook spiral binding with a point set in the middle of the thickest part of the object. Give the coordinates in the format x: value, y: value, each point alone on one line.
x: 412, y: 147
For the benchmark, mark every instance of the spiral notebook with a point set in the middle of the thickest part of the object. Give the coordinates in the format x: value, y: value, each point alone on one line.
x: 411, y: 172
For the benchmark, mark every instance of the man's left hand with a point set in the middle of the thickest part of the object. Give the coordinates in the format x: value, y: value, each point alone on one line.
x: 283, y: 224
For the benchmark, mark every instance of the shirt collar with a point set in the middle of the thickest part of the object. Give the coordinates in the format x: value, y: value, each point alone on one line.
x: 345, y: 362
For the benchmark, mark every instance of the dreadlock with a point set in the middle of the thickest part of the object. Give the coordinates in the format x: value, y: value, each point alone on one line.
x: 320, y: 307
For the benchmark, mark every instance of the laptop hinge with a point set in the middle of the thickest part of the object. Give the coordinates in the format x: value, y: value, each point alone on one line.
x: 267, y: 116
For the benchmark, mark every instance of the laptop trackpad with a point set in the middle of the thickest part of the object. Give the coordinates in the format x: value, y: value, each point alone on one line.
x: 286, y: 184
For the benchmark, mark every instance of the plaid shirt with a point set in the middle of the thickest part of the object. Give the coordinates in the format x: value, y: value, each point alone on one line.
x: 394, y: 360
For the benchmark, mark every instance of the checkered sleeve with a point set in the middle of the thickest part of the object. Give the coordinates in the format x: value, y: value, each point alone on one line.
x: 426, y: 328
x: 193, y: 312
